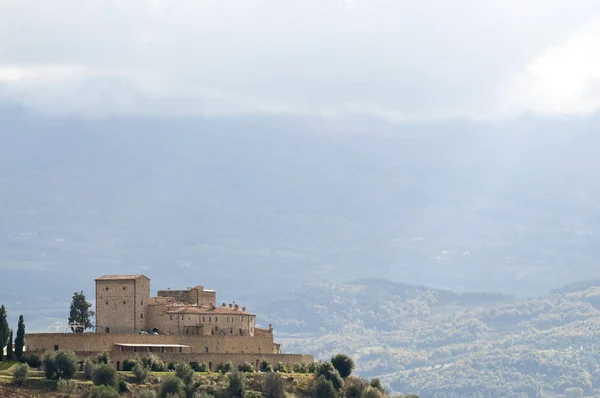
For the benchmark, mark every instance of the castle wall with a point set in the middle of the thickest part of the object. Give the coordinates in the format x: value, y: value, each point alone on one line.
x: 196, y: 295
x: 98, y: 342
x: 212, y: 360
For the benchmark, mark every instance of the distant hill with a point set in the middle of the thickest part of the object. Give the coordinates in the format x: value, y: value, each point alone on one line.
x: 444, y: 344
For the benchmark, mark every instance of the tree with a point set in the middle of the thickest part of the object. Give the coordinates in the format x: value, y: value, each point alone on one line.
x: 88, y: 369
x: 105, y: 375
x: 171, y: 385
x: 147, y: 394
x: 103, y: 357
x: 20, y: 373
x: 265, y: 366
x: 274, y: 386
x: 20, y: 339
x: 80, y: 313
x: 104, y: 392
x: 66, y: 387
x: 140, y: 373
x: 376, y: 383
x: 344, y: 364
x: 324, y: 388
x: 9, y: 347
x: 4, y: 330
x: 186, y: 374
x: 354, y: 387
x: 330, y: 373
x: 60, y: 365
x: 237, y: 385
x: 371, y: 392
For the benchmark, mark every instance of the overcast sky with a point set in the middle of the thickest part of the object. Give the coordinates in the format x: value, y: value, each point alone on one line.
x: 399, y: 59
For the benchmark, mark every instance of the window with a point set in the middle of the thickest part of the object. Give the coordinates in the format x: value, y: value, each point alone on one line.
x: 242, y: 318
x: 206, y: 350
x: 124, y: 287
x: 182, y: 317
x: 56, y: 347
x: 203, y: 319
x: 107, y: 288
x: 216, y: 319
x: 141, y: 316
x: 107, y: 330
x: 210, y: 319
x: 171, y: 317
x: 124, y: 302
x: 142, y: 302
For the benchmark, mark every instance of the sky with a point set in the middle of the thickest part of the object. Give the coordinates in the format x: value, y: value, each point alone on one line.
x: 398, y: 60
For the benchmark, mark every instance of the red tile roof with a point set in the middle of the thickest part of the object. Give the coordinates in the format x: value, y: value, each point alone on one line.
x: 200, y: 310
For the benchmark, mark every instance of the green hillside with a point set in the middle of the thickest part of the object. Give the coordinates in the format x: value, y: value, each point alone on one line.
x: 445, y: 344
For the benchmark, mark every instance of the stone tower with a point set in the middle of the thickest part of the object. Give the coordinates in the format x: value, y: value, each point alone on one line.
x: 121, y: 303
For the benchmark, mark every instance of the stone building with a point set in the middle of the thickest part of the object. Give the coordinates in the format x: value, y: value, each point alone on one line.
x: 177, y: 325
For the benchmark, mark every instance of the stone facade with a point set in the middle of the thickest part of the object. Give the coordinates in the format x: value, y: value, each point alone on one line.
x: 185, y: 326
x: 121, y: 303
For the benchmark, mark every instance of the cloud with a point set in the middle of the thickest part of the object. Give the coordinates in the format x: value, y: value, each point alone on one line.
x: 394, y: 59
x: 565, y: 80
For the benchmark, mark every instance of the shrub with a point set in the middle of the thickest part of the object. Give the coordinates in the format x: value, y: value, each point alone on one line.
x: 103, y: 392
x: 154, y: 363
x: 105, y: 375
x: 354, y: 387
x: 184, y: 372
x: 103, y: 357
x: 66, y: 387
x: 331, y: 374
x: 299, y: 368
x: 274, y: 386
x: 371, y: 392
x: 202, y: 394
x: 171, y: 385
x: 147, y: 394
x: 376, y: 383
x: 203, y: 367
x: 128, y: 365
x: 171, y: 366
x: 20, y: 373
x: 265, y: 366
x: 344, y: 364
x: 280, y: 367
x: 123, y: 386
x: 60, y: 365
x: 32, y: 360
x: 246, y: 367
x: 88, y: 369
x: 140, y: 373
x: 324, y: 388
x: 225, y: 368
x: 237, y: 385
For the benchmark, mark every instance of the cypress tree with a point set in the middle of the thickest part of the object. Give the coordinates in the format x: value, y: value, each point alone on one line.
x: 4, y: 330
x: 20, y: 339
x: 9, y: 347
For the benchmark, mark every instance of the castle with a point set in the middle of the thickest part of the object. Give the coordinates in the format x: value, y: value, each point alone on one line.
x: 177, y: 325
